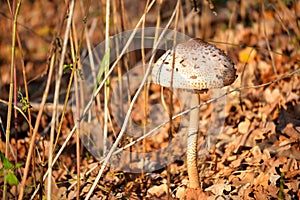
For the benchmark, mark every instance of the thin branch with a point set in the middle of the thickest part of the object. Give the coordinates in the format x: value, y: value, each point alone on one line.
x: 56, y: 97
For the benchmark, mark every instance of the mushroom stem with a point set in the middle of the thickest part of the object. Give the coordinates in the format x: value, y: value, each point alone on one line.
x: 192, y: 144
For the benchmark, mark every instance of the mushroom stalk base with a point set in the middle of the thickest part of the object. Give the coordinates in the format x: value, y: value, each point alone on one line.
x: 192, y: 144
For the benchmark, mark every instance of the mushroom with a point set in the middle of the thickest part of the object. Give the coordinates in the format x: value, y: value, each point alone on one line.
x: 198, y: 66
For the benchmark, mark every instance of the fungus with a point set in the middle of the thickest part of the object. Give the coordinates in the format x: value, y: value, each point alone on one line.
x: 198, y: 66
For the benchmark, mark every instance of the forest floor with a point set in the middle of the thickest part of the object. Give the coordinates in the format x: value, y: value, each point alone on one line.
x: 255, y: 134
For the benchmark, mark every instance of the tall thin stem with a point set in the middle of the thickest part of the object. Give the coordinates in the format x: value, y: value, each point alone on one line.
x: 56, y: 98
x: 11, y: 87
x: 192, y: 144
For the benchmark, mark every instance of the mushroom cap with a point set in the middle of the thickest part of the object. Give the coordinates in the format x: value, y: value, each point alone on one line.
x: 198, y: 66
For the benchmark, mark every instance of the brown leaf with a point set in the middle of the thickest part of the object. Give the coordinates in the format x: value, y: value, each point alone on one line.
x: 218, y: 189
x: 158, y: 190
x: 243, y: 127
x: 274, y: 178
x: 272, y: 96
x: 180, y: 193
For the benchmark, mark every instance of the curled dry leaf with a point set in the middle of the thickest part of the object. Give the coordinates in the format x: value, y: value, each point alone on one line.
x: 158, y: 190
x: 218, y: 189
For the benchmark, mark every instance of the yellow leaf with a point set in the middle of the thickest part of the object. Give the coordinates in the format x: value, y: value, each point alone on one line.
x: 247, y: 55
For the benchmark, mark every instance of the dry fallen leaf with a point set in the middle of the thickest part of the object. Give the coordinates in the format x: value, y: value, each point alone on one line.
x: 272, y: 96
x: 158, y: 190
x: 218, y: 189
x: 273, y: 178
x: 243, y: 127
x: 180, y: 193
x: 247, y: 55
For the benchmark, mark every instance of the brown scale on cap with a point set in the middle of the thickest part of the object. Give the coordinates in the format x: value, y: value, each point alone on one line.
x: 198, y: 66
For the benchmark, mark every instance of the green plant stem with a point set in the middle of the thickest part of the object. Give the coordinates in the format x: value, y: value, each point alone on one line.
x: 11, y: 87
x: 106, y: 64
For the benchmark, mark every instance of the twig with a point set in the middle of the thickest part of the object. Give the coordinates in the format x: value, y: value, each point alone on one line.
x: 77, y: 98
x: 146, y: 86
x: 20, y: 111
x: 266, y: 37
x: 171, y: 109
x: 56, y: 96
